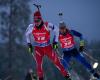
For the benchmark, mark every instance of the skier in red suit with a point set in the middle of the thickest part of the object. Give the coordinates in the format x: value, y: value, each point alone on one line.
x: 41, y: 37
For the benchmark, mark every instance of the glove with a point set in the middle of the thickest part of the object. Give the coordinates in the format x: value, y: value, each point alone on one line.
x: 30, y: 49
x: 81, y: 46
x: 55, y: 45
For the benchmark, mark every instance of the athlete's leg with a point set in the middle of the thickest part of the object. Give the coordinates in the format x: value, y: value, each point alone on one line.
x: 53, y: 56
x: 38, y: 58
x: 66, y: 59
x: 83, y: 61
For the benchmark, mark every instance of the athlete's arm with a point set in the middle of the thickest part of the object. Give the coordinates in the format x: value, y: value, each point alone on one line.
x: 28, y: 33
x: 54, y: 28
x: 77, y: 34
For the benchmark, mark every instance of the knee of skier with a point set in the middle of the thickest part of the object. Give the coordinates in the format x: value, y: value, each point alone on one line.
x: 85, y: 62
x: 56, y: 60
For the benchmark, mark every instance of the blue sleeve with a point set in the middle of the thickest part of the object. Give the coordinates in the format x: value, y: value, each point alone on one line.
x: 75, y: 33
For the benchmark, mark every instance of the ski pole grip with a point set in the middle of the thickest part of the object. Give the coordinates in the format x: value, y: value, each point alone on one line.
x: 37, y: 6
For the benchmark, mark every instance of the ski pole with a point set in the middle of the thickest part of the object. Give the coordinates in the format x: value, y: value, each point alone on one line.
x: 89, y: 56
x: 7, y: 78
x: 95, y: 62
x: 33, y: 76
x: 60, y: 56
x: 70, y: 69
x: 62, y: 60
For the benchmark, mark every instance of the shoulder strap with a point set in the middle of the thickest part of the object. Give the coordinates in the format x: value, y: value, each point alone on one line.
x: 46, y: 26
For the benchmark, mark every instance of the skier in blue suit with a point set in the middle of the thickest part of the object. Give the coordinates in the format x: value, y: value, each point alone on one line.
x: 67, y: 42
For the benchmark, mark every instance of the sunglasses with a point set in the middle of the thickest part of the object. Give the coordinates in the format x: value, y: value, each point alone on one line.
x: 38, y: 20
x: 62, y: 27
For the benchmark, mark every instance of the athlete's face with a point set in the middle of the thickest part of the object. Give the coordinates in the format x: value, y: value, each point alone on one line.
x: 37, y: 22
x: 62, y: 30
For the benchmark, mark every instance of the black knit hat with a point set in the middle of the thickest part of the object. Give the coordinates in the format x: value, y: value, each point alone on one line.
x: 62, y: 24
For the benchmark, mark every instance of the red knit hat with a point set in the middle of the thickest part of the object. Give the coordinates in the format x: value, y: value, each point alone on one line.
x: 37, y: 15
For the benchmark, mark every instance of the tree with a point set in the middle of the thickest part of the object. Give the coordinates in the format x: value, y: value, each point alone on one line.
x: 15, y: 16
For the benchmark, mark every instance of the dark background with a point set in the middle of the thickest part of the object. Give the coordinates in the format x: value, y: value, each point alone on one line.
x: 16, y: 15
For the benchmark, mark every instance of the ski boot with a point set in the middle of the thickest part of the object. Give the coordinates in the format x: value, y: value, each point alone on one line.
x: 41, y: 78
x: 96, y: 75
x: 67, y: 78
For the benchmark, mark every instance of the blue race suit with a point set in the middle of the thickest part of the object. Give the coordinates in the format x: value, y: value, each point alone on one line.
x: 73, y: 52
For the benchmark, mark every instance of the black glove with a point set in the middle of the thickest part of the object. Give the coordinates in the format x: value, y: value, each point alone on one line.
x: 81, y: 48
x: 30, y: 49
x: 81, y: 45
x: 55, y: 45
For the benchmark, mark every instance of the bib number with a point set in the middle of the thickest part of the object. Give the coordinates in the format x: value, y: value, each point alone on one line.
x: 41, y: 38
x: 68, y: 43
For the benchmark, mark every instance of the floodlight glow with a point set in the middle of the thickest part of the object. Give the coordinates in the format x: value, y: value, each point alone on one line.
x: 95, y: 65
